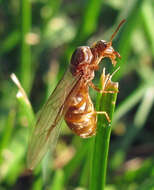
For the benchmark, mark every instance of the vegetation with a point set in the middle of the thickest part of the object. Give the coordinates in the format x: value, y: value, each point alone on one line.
x: 37, y: 39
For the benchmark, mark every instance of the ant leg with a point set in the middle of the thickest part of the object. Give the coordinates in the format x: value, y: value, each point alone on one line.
x: 106, y: 115
x: 110, y: 91
x: 95, y: 87
x: 93, y: 66
x: 101, y: 91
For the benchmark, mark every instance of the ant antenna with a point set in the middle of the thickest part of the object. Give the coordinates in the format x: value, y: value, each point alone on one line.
x: 113, y: 35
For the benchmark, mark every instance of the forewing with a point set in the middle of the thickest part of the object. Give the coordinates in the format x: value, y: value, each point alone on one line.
x: 47, y: 127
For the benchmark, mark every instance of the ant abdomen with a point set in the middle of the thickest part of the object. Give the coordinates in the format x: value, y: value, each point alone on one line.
x: 81, y: 116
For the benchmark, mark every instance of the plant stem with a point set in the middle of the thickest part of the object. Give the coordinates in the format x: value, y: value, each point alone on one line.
x: 102, y: 139
x: 25, y: 68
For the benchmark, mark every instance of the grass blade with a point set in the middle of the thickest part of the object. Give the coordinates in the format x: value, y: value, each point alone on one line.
x: 25, y: 68
x: 124, y: 45
x: 101, y: 147
x: 147, y: 17
x: 58, y: 180
x: 129, y: 103
x: 7, y: 132
x: 10, y: 42
x: 24, y: 101
x: 139, y: 121
x: 70, y: 168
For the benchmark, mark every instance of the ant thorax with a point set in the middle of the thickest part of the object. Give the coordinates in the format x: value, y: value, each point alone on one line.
x: 80, y: 60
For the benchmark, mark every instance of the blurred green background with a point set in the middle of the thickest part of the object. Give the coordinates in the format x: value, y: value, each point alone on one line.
x: 37, y: 38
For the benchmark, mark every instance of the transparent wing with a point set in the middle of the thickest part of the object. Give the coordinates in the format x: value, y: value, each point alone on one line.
x: 47, y: 127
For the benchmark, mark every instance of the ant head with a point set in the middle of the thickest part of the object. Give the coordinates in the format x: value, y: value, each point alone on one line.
x: 100, y: 46
x: 104, y: 49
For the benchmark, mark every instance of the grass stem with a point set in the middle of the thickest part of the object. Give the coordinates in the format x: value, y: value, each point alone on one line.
x: 25, y: 67
x: 102, y: 139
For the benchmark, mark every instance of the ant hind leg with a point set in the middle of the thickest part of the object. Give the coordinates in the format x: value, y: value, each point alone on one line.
x: 106, y: 115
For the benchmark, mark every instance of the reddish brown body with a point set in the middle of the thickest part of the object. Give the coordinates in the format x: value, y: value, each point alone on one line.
x: 81, y: 116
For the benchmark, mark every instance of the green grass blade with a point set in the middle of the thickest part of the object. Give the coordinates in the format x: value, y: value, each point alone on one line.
x: 144, y: 108
x: 101, y: 147
x: 141, y: 175
x: 25, y: 67
x: 147, y: 185
x: 37, y: 184
x: 7, y: 131
x: 18, y: 145
x: 58, y: 180
x: 88, y: 24
x: 129, y: 103
x: 10, y: 42
x: 124, y: 46
x: 139, y: 121
x: 84, y: 176
x: 70, y: 168
x: 24, y: 102
x: 148, y: 17
x: 90, y: 18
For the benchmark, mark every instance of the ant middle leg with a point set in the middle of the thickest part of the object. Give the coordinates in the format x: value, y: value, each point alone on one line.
x: 101, y: 90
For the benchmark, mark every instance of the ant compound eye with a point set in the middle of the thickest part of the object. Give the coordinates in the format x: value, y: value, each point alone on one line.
x: 98, y: 49
x: 101, y: 45
x: 81, y: 55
